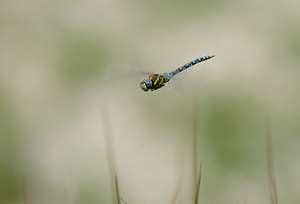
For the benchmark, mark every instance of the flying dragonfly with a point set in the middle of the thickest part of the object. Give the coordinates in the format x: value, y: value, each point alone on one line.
x: 155, y: 81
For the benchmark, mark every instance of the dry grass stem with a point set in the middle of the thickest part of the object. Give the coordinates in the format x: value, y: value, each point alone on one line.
x: 194, y: 143
x: 110, y: 153
x: 178, y: 171
x: 25, y: 191
x: 198, y: 185
x: 270, y: 164
x: 117, y: 188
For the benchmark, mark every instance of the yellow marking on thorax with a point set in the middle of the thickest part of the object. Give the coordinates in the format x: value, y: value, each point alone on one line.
x: 155, y: 82
x: 161, y: 81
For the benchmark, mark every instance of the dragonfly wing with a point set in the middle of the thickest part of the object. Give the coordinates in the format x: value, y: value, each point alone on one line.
x: 120, y: 72
x: 187, y: 83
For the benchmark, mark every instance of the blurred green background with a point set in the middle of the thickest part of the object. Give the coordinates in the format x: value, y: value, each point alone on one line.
x: 56, y: 61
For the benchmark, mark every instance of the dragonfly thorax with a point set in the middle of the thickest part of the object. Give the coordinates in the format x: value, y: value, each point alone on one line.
x: 153, y: 82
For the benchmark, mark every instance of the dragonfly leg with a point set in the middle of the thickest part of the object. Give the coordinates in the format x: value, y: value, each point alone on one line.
x: 155, y: 88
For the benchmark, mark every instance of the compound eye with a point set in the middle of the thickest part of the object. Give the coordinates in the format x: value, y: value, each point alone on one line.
x: 148, y: 82
x: 143, y: 86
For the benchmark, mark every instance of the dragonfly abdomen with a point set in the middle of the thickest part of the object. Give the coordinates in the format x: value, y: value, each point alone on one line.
x: 188, y: 65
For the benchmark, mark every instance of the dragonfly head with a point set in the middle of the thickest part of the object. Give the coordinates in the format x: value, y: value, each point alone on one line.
x: 146, y: 84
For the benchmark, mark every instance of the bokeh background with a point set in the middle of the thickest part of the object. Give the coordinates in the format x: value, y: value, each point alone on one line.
x: 63, y: 90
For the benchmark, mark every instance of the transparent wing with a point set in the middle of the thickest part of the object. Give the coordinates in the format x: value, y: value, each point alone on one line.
x: 119, y: 72
x: 189, y: 82
x: 123, y: 76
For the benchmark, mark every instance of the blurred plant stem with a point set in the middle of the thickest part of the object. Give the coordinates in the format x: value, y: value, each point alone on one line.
x: 179, y: 160
x: 110, y: 153
x: 117, y: 188
x: 270, y: 163
x: 194, y: 142
x: 25, y: 190
x: 195, y: 175
x: 198, y: 185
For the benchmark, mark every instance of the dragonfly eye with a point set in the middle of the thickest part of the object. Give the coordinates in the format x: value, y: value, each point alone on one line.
x: 144, y: 86
x: 148, y: 82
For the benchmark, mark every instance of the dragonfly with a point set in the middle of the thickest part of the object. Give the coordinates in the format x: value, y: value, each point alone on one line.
x: 156, y: 81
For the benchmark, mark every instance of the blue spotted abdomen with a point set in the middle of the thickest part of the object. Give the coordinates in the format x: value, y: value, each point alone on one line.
x: 169, y: 75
